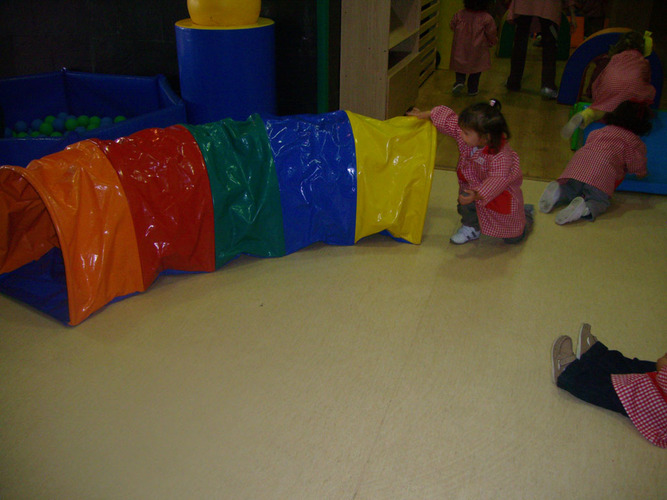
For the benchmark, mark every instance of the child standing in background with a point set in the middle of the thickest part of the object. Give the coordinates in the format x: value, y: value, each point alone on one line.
x: 596, y: 169
x: 474, y: 33
x: 626, y: 76
x: 490, y: 200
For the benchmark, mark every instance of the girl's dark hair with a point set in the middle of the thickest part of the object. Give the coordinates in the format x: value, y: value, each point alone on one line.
x: 628, y: 41
x: 476, y: 4
x: 631, y: 115
x: 486, y: 118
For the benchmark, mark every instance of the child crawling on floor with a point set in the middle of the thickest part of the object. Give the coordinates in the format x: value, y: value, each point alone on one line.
x: 595, y: 170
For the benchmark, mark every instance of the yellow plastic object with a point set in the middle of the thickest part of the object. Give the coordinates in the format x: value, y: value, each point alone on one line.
x: 395, y: 161
x: 224, y: 12
x: 89, y: 212
x: 648, y: 43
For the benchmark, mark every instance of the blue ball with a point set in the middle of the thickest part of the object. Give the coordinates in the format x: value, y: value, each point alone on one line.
x: 36, y: 123
x: 80, y: 129
x: 21, y: 126
x: 8, y: 133
x: 62, y: 115
x: 106, y: 121
x: 58, y: 124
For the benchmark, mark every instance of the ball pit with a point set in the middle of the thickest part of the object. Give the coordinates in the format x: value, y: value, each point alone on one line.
x: 52, y: 126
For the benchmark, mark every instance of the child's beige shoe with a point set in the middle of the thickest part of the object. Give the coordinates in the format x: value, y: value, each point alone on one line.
x: 586, y: 340
x: 561, y: 356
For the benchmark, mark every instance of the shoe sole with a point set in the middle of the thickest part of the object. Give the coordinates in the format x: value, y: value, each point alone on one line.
x: 573, y: 212
x: 555, y: 354
x: 549, y: 197
x: 463, y: 242
x: 555, y: 346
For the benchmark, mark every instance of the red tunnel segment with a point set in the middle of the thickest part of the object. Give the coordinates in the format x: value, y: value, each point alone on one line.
x: 167, y: 187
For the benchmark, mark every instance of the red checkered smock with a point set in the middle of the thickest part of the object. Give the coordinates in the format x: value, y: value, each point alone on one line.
x: 608, y: 155
x: 627, y: 77
x: 474, y: 33
x: 644, y: 397
x: 496, y: 177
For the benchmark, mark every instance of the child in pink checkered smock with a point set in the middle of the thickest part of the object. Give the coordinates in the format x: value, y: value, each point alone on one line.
x: 474, y: 33
x: 626, y: 77
x: 490, y: 200
x: 595, y: 170
x: 630, y: 386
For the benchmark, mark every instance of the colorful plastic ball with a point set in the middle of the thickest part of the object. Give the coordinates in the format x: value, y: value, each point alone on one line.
x: 83, y: 120
x: 36, y: 123
x: 95, y: 120
x: 35, y: 133
x: 80, y: 129
x: 49, y: 119
x: 21, y: 135
x: 92, y: 126
x: 119, y: 118
x: 106, y: 121
x: 58, y: 124
x: 56, y: 134
x: 46, y: 128
x: 70, y: 124
x: 8, y: 132
x: 63, y: 116
x: 21, y: 126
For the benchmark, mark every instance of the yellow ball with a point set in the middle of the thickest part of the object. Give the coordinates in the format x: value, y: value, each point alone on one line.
x: 224, y: 12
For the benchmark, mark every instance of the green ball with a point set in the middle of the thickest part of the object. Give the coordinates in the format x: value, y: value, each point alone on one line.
x: 92, y: 126
x: 119, y: 118
x: 83, y: 120
x: 22, y: 134
x: 49, y: 119
x: 56, y: 134
x: 46, y: 128
x: 71, y: 124
x: 34, y: 133
x: 95, y: 120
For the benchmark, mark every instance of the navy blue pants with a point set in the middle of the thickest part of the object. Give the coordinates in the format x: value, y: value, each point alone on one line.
x: 589, y: 378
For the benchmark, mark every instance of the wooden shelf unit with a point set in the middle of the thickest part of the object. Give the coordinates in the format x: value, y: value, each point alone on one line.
x: 387, y: 51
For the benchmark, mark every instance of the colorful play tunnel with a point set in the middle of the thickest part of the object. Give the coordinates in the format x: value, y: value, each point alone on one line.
x: 102, y: 219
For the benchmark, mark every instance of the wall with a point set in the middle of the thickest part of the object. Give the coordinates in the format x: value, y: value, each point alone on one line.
x: 136, y: 37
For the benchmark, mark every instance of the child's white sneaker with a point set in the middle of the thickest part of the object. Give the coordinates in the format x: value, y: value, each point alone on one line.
x: 464, y: 235
x: 575, y: 122
x: 574, y: 211
x: 457, y: 89
x: 550, y: 197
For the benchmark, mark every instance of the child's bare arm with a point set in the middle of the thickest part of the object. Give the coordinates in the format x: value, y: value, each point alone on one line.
x: 422, y: 115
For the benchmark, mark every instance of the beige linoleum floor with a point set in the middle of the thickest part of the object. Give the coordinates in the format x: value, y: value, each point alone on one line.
x: 377, y: 371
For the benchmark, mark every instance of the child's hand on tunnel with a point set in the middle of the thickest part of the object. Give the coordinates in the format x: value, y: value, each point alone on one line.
x: 416, y: 112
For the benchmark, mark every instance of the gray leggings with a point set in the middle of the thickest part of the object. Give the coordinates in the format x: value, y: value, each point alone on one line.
x: 469, y: 218
x: 596, y: 200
